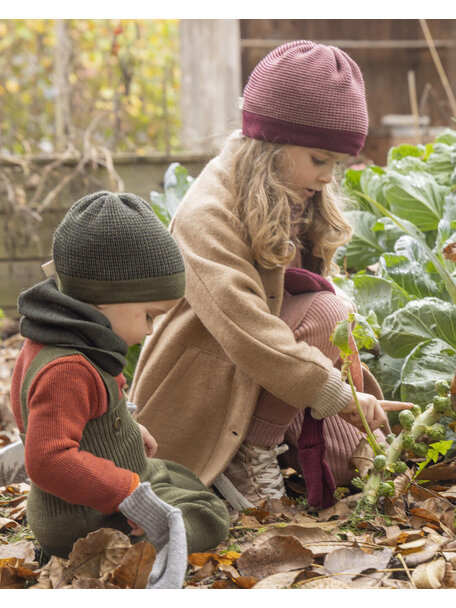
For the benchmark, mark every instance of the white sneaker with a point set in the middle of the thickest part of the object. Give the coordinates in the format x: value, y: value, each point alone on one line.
x: 255, y: 474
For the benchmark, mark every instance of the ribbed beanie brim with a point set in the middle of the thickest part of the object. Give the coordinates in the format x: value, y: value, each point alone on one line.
x: 307, y: 94
x: 112, y: 248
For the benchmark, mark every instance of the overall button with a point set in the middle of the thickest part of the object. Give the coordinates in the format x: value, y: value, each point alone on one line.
x: 117, y: 423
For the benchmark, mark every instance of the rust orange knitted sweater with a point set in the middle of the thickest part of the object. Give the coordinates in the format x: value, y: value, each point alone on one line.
x: 63, y: 397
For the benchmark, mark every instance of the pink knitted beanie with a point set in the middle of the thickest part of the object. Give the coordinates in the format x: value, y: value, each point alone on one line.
x: 307, y: 94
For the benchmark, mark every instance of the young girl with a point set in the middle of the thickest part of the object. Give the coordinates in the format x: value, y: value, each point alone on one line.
x: 244, y: 361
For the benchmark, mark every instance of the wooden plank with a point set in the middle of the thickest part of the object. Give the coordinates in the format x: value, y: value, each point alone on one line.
x: 139, y: 175
x: 15, y: 277
x: 21, y: 237
x: 259, y: 43
x: 210, y: 82
x: 26, y: 243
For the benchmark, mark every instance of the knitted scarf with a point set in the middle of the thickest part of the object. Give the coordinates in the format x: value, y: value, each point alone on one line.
x: 51, y: 317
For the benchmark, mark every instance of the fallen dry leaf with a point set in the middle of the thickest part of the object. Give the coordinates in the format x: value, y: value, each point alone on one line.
x: 259, y: 514
x: 92, y: 583
x: 248, y: 521
x: 427, y: 553
x: 245, y: 582
x: 98, y: 553
x: 340, y: 510
x: 54, y: 574
x: 135, y: 567
x: 205, y: 571
x: 424, y: 516
x: 23, y: 549
x: 9, y: 579
x: 449, y: 252
x: 449, y: 581
x: 281, y: 580
x: 429, y: 576
x: 199, y: 559
x: 439, y: 472
x: 229, y: 570
x: 412, y: 546
x: 224, y: 584
x: 353, y: 561
x: 17, y: 513
x: 399, y: 537
x: 363, y: 457
x: 13, y: 573
x: 5, y: 522
x: 319, y: 541
x: 323, y: 582
x: 277, y: 554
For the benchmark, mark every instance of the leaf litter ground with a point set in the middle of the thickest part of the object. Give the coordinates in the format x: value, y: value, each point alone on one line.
x: 410, y: 544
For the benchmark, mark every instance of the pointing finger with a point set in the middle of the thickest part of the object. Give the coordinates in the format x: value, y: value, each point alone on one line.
x: 391, y: 406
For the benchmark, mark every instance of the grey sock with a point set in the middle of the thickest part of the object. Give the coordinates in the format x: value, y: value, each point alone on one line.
x: 164, y: 528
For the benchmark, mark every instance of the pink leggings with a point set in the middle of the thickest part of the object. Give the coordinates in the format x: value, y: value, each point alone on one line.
x: 312, y: 318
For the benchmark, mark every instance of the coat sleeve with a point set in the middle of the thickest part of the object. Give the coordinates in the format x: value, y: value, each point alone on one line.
x: 226, y: 292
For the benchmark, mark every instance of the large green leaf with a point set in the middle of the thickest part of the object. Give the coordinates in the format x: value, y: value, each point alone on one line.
x: 363, y: 249
x: 352, y: 187
x: 411, y: 276
x: 176, y: 182
x: 447, y: 136
x: 415, y: 197
x: 371, y: 183
x: 410, y: 229
x: 381, y: 295
x: 404, y: 151
x: 387, y: 372
x: 442, y: 162
x: 409, y: 164
x: 419, y: 320
x: 429, y: 361
x: 387, y: 233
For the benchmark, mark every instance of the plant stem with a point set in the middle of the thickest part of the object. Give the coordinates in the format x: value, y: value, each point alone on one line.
x: 372, y: 439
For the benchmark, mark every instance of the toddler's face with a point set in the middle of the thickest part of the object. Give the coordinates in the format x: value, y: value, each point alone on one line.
x: 307, y: 170
x: 132, y: 321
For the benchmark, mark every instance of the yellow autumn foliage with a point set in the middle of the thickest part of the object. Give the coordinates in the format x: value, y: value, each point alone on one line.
x: 126, y: 68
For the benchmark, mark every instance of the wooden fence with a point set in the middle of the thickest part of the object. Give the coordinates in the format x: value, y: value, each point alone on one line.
x: 26, y: 236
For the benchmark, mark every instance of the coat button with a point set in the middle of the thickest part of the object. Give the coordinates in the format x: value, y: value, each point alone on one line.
x: 117, y: 423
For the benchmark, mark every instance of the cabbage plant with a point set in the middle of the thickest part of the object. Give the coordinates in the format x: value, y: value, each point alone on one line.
x: 401, y: 274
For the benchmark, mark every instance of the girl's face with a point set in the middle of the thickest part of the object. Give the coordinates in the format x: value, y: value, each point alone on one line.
x: 307, y: 170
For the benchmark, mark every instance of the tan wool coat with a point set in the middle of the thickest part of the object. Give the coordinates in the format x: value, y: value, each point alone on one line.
x: 199, y: 375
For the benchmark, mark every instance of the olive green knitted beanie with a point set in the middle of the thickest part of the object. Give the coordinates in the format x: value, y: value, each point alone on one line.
x: 112, y: 248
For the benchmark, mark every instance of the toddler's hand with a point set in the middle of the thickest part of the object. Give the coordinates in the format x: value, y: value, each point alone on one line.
x: 150, y: 445
x: 135, y: 529
x: 374, y: 411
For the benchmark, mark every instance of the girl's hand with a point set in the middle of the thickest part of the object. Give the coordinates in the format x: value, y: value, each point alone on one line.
x: 135, y: 529
x: 374, y: 411
x: 150, y: 445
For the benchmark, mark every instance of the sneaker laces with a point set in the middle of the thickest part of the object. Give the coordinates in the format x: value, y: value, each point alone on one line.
x: 266, y: 469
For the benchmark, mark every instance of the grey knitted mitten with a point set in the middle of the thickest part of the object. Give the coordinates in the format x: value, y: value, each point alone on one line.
x: 164, y: 528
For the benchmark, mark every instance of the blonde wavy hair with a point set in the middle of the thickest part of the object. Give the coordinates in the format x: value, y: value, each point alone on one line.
x: 270, y: 211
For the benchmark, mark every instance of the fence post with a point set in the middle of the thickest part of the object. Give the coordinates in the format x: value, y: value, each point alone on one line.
x: 62, y: 99
x: 210, y: 81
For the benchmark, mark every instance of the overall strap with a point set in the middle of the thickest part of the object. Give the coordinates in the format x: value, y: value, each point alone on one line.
x: 49, y: 353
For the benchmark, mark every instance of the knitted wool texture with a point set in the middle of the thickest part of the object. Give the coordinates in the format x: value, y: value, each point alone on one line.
x: 111, y: 248
x: 307, y: 94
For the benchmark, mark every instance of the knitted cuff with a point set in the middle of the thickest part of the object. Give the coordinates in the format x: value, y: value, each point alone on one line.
x: 145, y: 508
x: 334, y: 396
x: 131, y: 407
x: 263, y: 433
